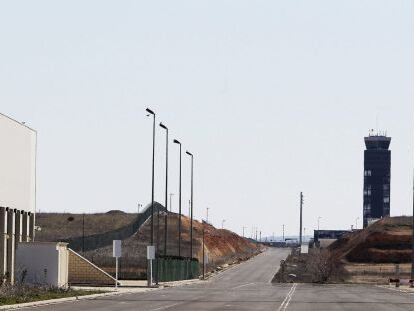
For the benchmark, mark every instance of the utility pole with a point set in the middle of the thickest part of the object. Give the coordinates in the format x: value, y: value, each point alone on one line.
x: 243, y: 230
x: 260, y: 239
x: 301, y: 208
x: 207, y: 214
x: 283, y: 232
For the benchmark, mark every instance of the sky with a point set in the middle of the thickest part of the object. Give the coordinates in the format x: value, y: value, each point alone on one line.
x: 272, y: 98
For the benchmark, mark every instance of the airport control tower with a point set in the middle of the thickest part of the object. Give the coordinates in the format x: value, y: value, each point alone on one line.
x: 377, y: 177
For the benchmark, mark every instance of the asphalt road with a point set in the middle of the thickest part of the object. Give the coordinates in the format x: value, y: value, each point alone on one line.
x: 247, y: 287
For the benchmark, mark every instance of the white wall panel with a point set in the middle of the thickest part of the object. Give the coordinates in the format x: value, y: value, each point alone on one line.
x: 17, y: 165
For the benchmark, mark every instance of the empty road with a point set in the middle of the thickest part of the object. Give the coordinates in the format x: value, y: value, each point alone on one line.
x: 247, y: 287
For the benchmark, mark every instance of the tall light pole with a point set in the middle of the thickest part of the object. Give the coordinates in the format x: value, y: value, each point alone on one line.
x: 243, y: 231
x: 179, y: 204
x: 192, y: 203
x: 356, y: 223
x: 207, y: 214
x: 301, y: 208
x: 166, y: 188
x: 283, y: 232
x: 150, y: 112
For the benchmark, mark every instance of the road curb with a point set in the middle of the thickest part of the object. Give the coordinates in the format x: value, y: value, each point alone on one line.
x: 61, y: 300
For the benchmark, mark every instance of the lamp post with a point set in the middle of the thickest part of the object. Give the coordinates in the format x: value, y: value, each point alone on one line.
x: 179, y: 204
x: 166, y: 188
x: 207, y: 214
x: 192, y: 203
x: 356, y: 223
x: 150, y: 112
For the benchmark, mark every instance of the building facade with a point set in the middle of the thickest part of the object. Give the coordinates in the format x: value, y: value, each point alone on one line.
x: 17, y: 191
x: 377, y: 178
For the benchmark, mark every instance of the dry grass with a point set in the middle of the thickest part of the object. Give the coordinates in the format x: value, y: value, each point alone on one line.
x: 12, y: 294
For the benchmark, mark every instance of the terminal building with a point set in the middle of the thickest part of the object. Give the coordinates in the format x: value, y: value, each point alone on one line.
x: 377, y: 178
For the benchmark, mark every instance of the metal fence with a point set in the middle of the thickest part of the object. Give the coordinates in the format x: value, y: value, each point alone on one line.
x: 173, y: 269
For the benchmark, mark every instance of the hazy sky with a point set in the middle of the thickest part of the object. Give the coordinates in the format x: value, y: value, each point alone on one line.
x: 272, y: 97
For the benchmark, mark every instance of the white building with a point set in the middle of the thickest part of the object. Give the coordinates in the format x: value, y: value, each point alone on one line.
x: 17, y: 190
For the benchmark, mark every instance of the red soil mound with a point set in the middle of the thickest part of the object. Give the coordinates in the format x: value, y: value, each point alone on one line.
x: 386, y: 241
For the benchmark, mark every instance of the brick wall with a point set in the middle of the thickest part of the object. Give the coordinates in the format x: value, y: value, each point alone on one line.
x: 82, y: 271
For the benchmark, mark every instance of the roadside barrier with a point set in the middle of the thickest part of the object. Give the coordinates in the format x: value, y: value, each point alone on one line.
x: 175, y: 269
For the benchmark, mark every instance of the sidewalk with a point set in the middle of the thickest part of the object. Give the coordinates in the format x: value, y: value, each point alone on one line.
x: 402, y: 288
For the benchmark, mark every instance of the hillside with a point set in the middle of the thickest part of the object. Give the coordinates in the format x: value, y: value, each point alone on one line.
x: 61, y: 226
x: 386, y: 241
x: 222, y: 246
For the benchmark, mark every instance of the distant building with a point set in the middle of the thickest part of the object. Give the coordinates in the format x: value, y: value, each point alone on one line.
x: 377, y: 177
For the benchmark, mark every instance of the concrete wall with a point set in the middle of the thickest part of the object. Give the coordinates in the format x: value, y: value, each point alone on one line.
x: 44, y: 263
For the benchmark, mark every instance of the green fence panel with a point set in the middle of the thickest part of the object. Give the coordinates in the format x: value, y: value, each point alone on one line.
x: 177, y: 269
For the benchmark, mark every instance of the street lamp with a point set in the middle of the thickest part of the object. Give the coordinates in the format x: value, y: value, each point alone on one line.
x: 356, y: 223
x: 192, y: 203
x: 150, y: 112
x: 166, y: 189
x: 179, y: 205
